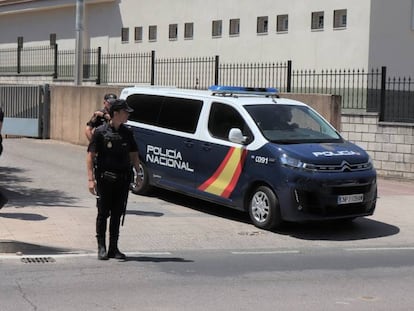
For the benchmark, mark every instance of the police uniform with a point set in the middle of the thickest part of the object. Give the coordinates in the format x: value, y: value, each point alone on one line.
x: 112, y: 173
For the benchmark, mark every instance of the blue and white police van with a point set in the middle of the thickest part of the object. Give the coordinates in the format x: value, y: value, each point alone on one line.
x: 275, y: 158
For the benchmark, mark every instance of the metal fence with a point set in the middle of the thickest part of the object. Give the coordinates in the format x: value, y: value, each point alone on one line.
x: 28, y: 60
x: 359, y: 89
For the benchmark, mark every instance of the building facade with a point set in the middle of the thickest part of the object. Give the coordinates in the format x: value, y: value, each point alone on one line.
x: 317, y: 34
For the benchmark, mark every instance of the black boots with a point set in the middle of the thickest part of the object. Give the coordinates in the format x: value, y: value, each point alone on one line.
x: 102, y: 255
x: 113, y: 251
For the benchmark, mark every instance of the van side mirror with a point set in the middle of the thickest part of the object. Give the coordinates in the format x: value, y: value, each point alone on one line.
x: 236, y: 136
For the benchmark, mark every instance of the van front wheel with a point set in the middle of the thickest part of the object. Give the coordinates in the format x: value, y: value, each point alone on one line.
x: 264, y: 208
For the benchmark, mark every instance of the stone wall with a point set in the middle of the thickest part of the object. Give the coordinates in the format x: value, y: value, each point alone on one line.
x: 390, y: 145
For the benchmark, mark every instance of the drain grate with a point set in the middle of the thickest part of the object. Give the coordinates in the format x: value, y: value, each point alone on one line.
x: 37, y: 259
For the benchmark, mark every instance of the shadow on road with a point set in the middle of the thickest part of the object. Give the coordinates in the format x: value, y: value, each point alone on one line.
x: 200, y: 205
x: 143, y: 213
x: 359, y: 229
x: 23, y: 216
x: 21, y: 196
x: 22, y: 248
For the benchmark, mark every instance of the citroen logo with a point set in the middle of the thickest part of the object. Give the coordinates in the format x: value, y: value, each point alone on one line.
x: 346, y: 166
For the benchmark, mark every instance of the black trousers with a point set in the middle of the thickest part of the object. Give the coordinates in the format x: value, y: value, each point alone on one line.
x: 113, y: 195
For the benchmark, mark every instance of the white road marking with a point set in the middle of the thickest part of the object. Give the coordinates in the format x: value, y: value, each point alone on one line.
x: 367, y: 249
x: 265, y: 252
x: 72, y: 255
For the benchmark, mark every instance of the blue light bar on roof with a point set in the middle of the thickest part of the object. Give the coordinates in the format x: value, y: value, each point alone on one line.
x: 224, y: 89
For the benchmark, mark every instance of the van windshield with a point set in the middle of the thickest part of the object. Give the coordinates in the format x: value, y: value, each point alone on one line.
x: 289, y: 124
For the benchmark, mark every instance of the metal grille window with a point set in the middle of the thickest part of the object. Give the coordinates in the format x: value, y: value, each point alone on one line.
x: 52, y: 39
x: 20, y: 42
x: 262, y: 24
x: 217, y: 28
x: 234, y: 27
x: 340, y: 18
x: 317, y: 20
x: 152, y: 33
x: 173, y: 31
x: 282, y: 23
x: 188, y: 30
x: 138, y: 34
x: 124, y: 35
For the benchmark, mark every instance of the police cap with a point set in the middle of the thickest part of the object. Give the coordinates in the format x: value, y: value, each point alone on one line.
x: 119, y: 104
x: 110, y: 96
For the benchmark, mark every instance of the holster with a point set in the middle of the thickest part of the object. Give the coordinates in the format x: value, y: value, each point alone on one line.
x: 110, y: 176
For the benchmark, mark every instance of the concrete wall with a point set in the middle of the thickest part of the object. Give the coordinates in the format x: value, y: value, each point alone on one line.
x: 391, y: 146
x: 72, y: 107
x: 392, y: 36
x: 345, y: 47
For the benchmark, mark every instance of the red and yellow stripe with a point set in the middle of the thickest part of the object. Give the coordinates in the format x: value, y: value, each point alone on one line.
x: 225, y: 178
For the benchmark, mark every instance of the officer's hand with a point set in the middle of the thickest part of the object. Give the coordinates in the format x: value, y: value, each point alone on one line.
x: 92, y: 186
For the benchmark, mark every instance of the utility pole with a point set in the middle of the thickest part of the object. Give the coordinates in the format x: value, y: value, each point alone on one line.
x: 80, y: 8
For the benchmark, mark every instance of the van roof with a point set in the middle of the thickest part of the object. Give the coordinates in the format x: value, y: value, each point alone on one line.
x: 241, y: 98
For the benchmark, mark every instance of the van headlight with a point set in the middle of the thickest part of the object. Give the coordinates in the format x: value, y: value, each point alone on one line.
x: 292, y: 162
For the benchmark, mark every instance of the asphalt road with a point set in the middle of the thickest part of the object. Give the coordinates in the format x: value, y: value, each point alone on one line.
x: 185, y: 254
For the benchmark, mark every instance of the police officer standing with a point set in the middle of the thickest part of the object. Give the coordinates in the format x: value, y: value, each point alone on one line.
x: 100, y: 117
x: 115, y: 149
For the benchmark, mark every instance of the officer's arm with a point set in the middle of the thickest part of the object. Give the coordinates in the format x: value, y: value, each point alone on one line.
x: 89, y: 166
x: 135, y: 162
x: 89, y: 132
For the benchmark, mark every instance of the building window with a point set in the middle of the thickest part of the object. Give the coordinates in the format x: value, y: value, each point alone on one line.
x: 52, y: 39
x: 262, y: 24
x: 138, y: 34
x: 188, y: 30
x: 217, y: 28
x: 339, y: 18
x: 317, y: 20
x: 282, y: 23
x: 173, y: 31
x: 152, y: 33
x: 234, y: 27
x: 124, y: 35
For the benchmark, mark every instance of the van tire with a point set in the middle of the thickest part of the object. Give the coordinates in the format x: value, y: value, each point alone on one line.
x: 264, y: 210
x: 144, y: 187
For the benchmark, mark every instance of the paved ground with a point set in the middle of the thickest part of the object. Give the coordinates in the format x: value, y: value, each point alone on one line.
x: 50, y: 212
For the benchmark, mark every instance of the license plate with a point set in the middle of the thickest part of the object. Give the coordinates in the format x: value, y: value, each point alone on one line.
x: 351, y: 198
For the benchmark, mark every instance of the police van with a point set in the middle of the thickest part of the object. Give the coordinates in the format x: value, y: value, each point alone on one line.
x: 246, y: 148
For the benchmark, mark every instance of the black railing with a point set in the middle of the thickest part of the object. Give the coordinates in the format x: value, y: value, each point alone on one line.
x: 193, y: 73
x: 28, y: 60
x: 354, y: 86
x: 255, y: 75
x: 371, y: 91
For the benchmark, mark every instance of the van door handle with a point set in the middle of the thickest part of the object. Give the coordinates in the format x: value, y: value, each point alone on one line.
x: 189, y: 143
x: 206, y: 147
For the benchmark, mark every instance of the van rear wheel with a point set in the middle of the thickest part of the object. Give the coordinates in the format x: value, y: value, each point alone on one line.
x: 143, y: 184
x: 264, y: 208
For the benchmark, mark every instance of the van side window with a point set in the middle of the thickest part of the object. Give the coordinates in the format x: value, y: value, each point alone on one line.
x: 180, y: 114
x: 222, y: 118
x: 146, y: 108
x: 173, y: 113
